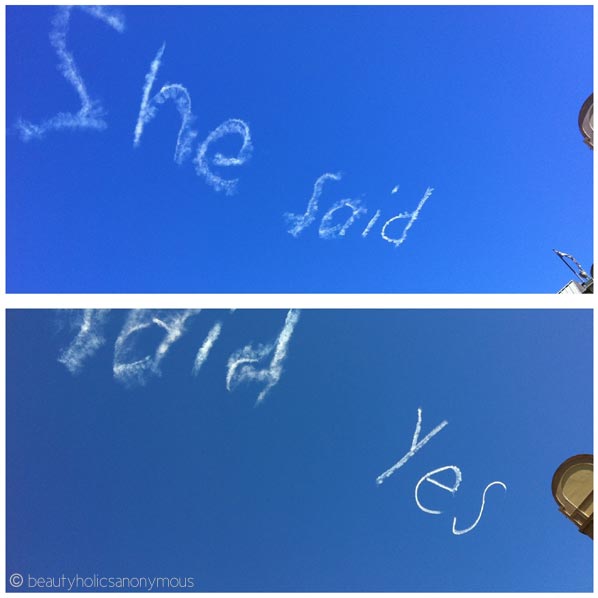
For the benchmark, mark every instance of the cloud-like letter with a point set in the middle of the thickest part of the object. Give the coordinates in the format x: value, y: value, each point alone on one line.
x: 327, y: 231
x: 300, y: 222
x: 411, y: 215
x: 91, y: 113
x: 149, y: 108
x: 241, y: 364
x: 229, y: 127
x: 416, y: 444
x: 88, y: 340
x: 129, y: 370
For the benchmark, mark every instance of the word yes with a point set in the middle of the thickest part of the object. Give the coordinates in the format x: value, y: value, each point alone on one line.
x: 416, y: 445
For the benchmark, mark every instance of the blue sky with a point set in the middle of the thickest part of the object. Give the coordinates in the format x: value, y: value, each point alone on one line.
x: 478, y: 103
x: 173, y: 475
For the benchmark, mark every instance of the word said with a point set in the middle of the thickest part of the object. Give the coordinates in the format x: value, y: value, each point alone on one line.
x: 243, y: 364
x: 416, y: 445
x: 327, y: 230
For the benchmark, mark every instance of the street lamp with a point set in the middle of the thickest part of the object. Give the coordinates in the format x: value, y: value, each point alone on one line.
x: 585, y: 285
x: 573, y: 490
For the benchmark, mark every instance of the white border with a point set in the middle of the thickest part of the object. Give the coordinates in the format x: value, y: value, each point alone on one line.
x: 334, y: 301
x: 304, y: 301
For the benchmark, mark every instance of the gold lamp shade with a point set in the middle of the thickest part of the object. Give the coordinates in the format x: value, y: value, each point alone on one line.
x: 573, y: 490
x: 586, y: 121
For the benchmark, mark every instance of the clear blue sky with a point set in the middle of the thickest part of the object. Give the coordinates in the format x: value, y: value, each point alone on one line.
x: 182, y: 478
x: 480, y: 103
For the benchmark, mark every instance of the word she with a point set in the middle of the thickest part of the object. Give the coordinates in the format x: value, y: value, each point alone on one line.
x: 92, y: 115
